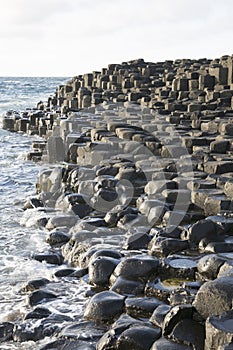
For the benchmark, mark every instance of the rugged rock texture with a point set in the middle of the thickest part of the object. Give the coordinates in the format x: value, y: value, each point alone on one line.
x: 137, y: 202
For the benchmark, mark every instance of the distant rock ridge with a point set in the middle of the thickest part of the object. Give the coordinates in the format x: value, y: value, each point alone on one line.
x: 184, y: 85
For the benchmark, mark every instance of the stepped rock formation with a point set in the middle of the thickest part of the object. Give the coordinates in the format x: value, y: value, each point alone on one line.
x: 140, y: 187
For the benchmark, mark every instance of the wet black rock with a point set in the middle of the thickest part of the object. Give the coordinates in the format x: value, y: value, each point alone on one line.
x: 203, y: 229
x: 28, y: 331
x: 138, y: 338
x: 159, y: 314
x: 104, y: 307
x: 33, y: 202
x: 50, y: 258
x: 68, y: 344
x: 64, y: 272
x: 170, y: 231
x: 178, y: 268
x: 38, y: 312
x: 84, y: 253
x: 57, y: 237
x: 100, y: 269
x: 40, y: 296
x: 78, y: 273
x: 83, y: 330
x: 162, y: 246
x: 219, y: 247
x: 6, y: 331
x: 127, y: 286
x: 208, y: 266
x: 140, y: 266
x: 195, y: 336
x: 106, y: 252
x: 35, y: 284
x: 165, y: 344
x: 174, y: 315
x: 137, y: 241
x: 142, y: 306
x: 109, y: 340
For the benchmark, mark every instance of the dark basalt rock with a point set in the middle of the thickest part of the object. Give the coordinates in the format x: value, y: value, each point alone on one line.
x: 141, y: 307
x: 111, y: 218
x: 165, y: 344
x: 28, y: 331
x: 82, y: 210
x: 159, y: 314
x: 6, y: 331
x: 195, y: 336
x: 219, y: 330
x: 136, y: 267
x: 35, y: 284
x: 214, y: 297
x: 203, y: 229
x: 106, y: 252
x: 137, y: 241
x: 170, y: 231
x: 65, y: 272
x: 84, y: 253
x: 104, y: 307
x: 224, y: 221
x: 138, y: 338
x: 50, y: 258
x: 127, y: 218
x: 128, y: 287
x: 83, y: 330
x: 178, y: 268
x: 162, y: 247
x: 38, y: 313
x: 68, y: 344
x: 219, y: 247
x: 33, y: 202
x: 109, y: 339
x: 174, y: 315
x: 57, y: 237
x: 100, y: 269
x: 208, y: 266
x: 125, y: 321
x: 40, y: 296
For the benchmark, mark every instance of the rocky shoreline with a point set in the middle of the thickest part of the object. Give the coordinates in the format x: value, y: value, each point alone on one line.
x: 137, y: 203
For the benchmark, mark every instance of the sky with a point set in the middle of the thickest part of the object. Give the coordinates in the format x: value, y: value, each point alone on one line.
x: 72, y: 37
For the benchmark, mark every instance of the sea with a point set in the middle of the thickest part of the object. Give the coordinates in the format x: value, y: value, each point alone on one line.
x: 17, y: 182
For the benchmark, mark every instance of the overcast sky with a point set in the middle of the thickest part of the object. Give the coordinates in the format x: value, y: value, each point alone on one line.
x: 71, y: 37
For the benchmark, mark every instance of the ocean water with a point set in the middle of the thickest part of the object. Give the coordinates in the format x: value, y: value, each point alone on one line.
x: 17, y: 181
x: 19, y: 93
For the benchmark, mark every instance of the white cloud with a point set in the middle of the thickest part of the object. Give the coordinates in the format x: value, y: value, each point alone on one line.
x: 68, y: 37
